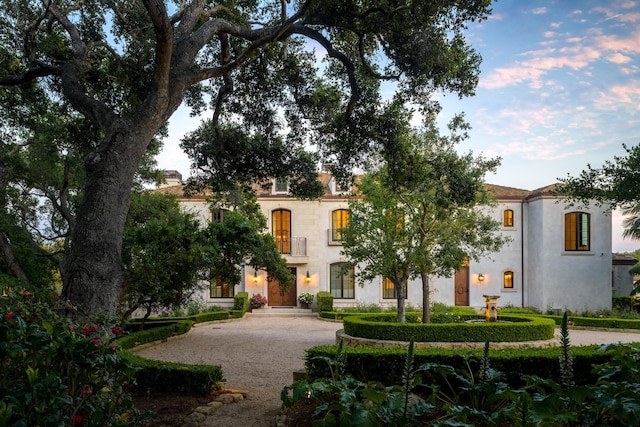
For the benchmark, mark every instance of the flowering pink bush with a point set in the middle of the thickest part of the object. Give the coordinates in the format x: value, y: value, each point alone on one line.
x: 257, y: 301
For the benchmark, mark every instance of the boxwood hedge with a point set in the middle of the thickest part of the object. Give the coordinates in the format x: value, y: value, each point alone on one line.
x: 382, y: 326
x: 385, y: 364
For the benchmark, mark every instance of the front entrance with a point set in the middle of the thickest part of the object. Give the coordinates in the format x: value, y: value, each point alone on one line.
x: 275, y: 296
x: 461, y: 283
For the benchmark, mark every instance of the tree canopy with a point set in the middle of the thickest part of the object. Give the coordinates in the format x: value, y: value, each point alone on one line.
x: 614, y: 183
x: 125, y: 66
x: 421, y: 210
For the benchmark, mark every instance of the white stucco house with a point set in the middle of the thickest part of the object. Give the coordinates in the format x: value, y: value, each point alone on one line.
x: 558, y: 257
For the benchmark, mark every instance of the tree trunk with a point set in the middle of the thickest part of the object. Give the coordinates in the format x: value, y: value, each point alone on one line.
x: 92, y: 272
x: 402, y: 318
x: 426, y: 303
x: 10, y: 259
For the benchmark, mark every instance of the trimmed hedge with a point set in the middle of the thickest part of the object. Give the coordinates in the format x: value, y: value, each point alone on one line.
x: 241, y: 301
x: 169, y: 329
x: 337, y: 315
x: 157, y: 375
x: 630, y: 303
x: 385, y: 364
x: 325, y: 301
x: 237, y: 314
x: 597, y: 322
x: 382, y: 326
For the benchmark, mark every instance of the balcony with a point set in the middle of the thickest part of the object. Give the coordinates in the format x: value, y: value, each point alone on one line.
x: 292, y: 246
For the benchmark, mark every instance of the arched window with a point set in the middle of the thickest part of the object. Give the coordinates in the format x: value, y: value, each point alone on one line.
x: 281, y: 227
x: 577, y: 231
x: 342, y: 280
x: 339, y: 221
x: 507, y: 279
x: 508, y: 218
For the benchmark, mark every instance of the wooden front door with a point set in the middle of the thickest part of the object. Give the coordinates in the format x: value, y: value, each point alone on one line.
x: 461, y: 283
x: 276, y: 298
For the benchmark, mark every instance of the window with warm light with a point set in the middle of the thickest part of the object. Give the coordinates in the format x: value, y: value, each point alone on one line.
x: 281, y: 225
x: 389, y: 291
x: 342, y: 280
x: 507, y: 279
x: 339, y: 221
x: 577, y: 231
x: 507, y: 218
x: 220, y: 289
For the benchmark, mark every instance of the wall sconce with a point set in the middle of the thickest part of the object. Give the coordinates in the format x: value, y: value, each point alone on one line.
x: 480, y: 277
x: 255, y: 276
x: 308, y: 278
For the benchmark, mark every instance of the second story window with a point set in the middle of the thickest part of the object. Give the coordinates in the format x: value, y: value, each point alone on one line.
x: 577, y: 231
x: 507, y: 218
x: 339, y: 221
x: 507, y: 279
x: 281, y: 226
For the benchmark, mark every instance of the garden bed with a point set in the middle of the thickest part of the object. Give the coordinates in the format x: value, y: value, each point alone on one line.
x: 382, y: 326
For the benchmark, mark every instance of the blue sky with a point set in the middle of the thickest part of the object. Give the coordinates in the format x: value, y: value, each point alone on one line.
x: 559, y: 89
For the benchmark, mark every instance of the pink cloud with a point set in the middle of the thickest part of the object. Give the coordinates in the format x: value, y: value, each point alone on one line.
x: 540, y: 11
x: 618, y: 58
x: 502, y: 77
x: 617, y: 44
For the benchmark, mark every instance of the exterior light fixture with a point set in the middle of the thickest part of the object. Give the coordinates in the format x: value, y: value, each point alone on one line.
x: 255, y: 276
x: 480, y: 277
x: 308, y: 278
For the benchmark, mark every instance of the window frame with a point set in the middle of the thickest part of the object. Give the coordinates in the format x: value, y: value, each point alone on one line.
x: 508, y: 218
x: 512, y: 280
x: 343, y: 219
x: 283, y: 243
x: 218, y: 283
x: 577, y: 231
x: 350, y: 277
x: 385, y: 282
x: 277, y: 186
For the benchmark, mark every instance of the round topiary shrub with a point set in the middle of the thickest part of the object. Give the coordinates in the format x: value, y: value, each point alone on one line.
x: 464, y: 328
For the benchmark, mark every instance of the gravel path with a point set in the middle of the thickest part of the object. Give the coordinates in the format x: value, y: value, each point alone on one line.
x: 259, y: 355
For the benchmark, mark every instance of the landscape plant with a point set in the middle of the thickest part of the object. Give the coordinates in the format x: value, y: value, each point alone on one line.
x: 257, y: 301
x: 55, y: 372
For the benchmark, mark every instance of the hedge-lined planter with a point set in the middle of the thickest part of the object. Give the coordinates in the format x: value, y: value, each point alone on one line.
x: 386, y: 364
x: 381, y: 326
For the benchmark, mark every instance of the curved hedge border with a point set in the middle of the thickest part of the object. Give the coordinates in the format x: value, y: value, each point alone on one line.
x: 157, y: 375
x: 378, y: 326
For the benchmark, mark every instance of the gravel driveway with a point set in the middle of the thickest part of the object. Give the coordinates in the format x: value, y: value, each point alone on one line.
x: 259, y: 354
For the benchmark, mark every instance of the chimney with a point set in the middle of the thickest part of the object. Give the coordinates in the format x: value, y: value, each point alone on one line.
x: 173, y: 177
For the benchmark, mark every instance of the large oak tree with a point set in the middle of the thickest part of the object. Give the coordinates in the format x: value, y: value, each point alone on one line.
x: 127, y: 65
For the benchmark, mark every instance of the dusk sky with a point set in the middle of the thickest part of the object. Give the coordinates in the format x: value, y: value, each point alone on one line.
x: 559, y: 89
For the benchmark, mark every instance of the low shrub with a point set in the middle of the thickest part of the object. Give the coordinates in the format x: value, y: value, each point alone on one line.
x: 383, y: 327
x: 241, y: 301
x: 384, y: 364
x: 598, y: 322
x: 155, y: 375
x: 325, y: 301
x: 162, y: 331
x: 237, y: 314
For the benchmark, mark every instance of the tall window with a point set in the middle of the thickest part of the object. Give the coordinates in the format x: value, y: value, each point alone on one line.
x: 576, y: 231
x: 508, y: 218
x: 281, y: 224
x: 342, y: 280
x: 507, y: 279
x: 217, y: 215
x: 389, y: 291
x: 339, y: 221
x: 220, y: 289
